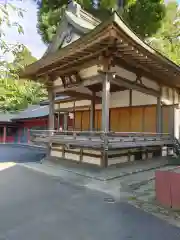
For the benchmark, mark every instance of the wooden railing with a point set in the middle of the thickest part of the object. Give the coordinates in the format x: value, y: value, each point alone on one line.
x: 98, y: 140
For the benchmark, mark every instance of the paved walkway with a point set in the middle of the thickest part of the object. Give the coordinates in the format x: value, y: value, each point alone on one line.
x: 119, y: 188
x: 136, y: 189
x: 40, y: 207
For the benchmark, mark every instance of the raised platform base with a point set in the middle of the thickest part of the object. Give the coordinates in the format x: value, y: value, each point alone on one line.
x: 111, y: 157
x: 105, y: 148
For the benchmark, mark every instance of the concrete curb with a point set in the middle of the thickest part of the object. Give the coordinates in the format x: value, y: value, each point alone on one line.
x: 102, y: 179
x: 47, y: 163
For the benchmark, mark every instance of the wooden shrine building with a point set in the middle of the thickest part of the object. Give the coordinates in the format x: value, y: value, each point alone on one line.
x: 124, y: 95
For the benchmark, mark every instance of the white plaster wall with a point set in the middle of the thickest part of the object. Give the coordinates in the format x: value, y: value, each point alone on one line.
x: 117, y: 99
x: 177, y: 123
x: 89, y: 72
x: 167, y: 95
x: 121, y: 99
x: 57, y: 82
x: 139, y: 98
x: 132, y: 77
x: 71, y: 104
x: 176, y: 98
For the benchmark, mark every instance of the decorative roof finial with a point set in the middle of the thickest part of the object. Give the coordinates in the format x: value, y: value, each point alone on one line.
x: 73, y: 7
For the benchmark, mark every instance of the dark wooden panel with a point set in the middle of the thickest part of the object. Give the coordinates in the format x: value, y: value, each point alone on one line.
x: 124, y: 118
x: 99, y: 120
x: 114, y: 119
x: 165, y: 118
x: 78, y: 119
x: 150, y: 119
x: 85, y: 121
x: 137, y: 119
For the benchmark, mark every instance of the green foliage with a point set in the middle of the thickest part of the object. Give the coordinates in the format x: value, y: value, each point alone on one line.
x: 167, y: 38
x: 143, y: 16
x: 16, y: 95
x: 23, y: 57
x: 5, y: 11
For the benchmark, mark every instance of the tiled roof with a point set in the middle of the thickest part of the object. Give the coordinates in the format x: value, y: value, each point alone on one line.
x: 5, y: 117
x: 33, y: 111
x: 58, y: 98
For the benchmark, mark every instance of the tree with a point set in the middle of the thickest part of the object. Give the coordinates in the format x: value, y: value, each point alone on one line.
x: 15, y: 95
x: 5, y: 10
x: 143, y: 16
x: 22, y: 58
x: 167, y: 38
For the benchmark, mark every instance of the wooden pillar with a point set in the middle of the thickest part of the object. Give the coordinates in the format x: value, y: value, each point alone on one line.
x: 177, y: 123
x: 92, y: 112
x: 175, y: 118
x: 51, y: 118
x: 4, y: 134
x: 74, y: 110
x: 105, y: 101
x: 58, y: 121
x: 65, y: 121
x: 105, y: 115
x: 158, y: 115
x: 171, y: 115
x: 51, y: 108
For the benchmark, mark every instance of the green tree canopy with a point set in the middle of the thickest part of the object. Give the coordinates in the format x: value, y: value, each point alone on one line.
x: 167, y: 38
x: 143, y: 16
x: 15, y: 95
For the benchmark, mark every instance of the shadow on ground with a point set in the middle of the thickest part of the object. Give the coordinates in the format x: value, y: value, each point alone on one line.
x: 36, y: 206
x: 20, y: 153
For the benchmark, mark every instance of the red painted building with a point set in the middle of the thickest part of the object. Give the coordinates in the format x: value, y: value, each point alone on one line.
x: 16, y: 128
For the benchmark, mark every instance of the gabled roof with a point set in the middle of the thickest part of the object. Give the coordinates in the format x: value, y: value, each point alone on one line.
x: 125, y: 46
x: 75, y: 20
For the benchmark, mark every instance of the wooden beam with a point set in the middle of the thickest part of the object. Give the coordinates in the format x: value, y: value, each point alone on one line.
x: 130, y: 65
x: 119, y: 81
x: 81, y: 96
x: 85, y: 83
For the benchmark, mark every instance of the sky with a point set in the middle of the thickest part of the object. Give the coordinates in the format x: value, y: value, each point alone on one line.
x: 31, y: 39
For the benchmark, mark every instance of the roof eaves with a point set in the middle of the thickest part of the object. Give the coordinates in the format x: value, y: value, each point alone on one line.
x: 130, y: 33
x: 32, y: 69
